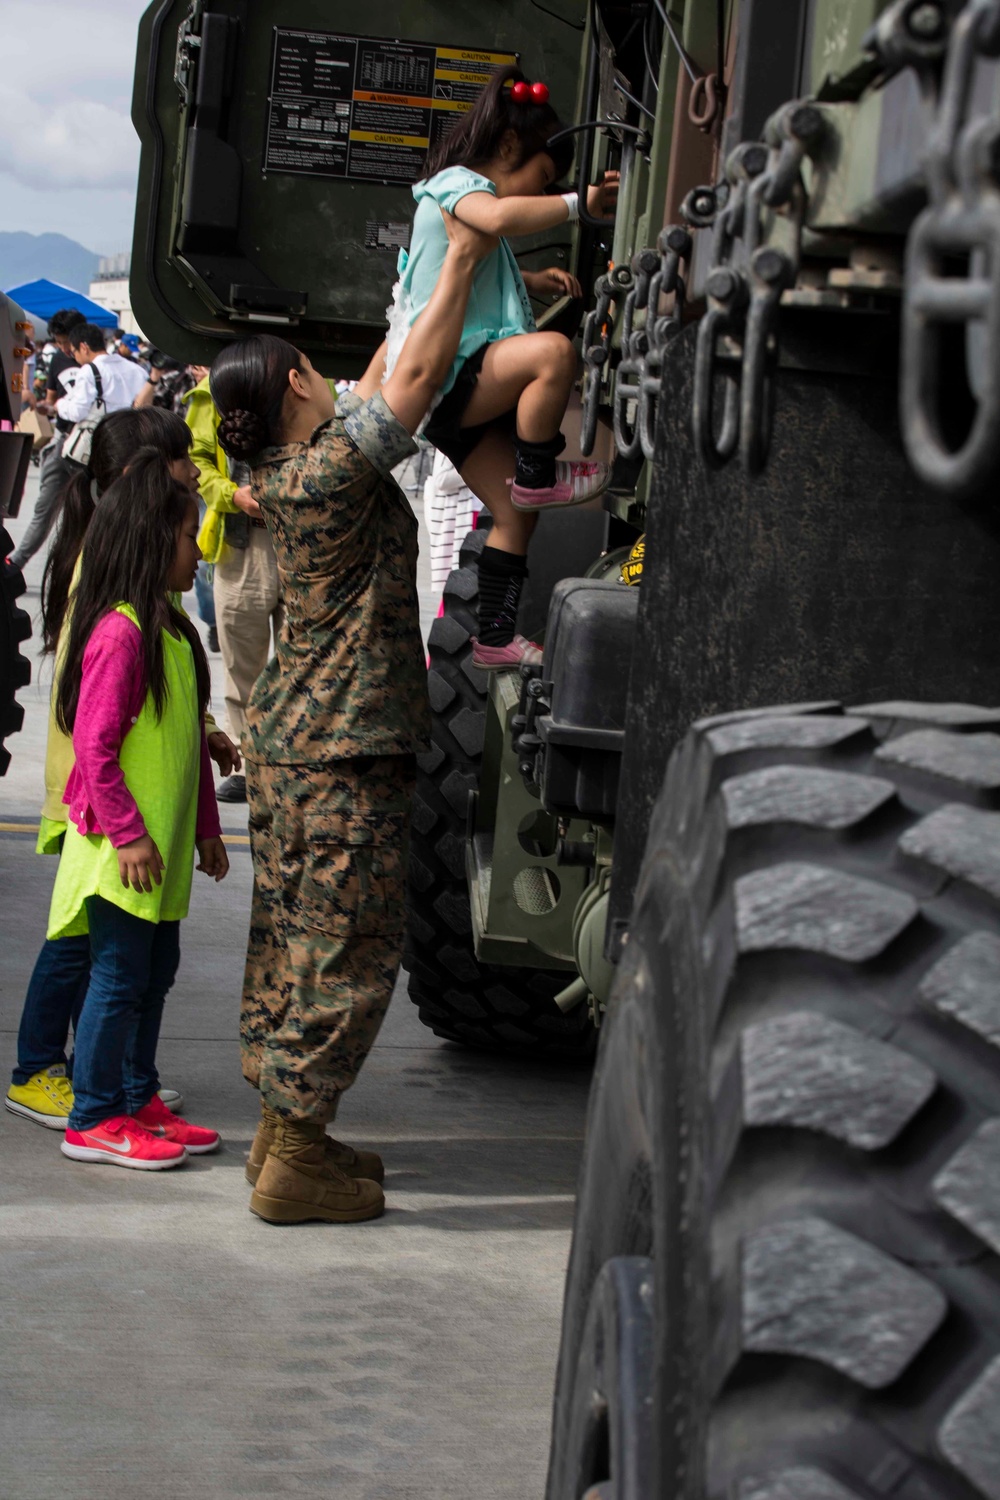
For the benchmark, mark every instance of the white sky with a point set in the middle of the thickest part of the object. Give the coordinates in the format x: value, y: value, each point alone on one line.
x: 68, y: 153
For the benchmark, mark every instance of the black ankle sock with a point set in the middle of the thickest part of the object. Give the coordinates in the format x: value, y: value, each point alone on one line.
x: 536, y: 462
x: 501, y: 575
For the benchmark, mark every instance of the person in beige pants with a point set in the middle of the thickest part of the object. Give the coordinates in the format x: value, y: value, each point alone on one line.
x: 247, y: 592
x: 247, y: 611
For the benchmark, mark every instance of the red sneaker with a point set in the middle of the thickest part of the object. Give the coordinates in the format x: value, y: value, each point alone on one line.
x: 160, y: 1121
x: 505, y: 658
x: 575, y: 483
x: 123, y: 1142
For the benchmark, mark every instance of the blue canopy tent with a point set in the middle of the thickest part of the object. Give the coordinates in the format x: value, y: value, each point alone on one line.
x: 40, y: 299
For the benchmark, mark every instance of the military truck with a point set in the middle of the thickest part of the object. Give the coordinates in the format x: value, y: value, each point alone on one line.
x: 777, y: 925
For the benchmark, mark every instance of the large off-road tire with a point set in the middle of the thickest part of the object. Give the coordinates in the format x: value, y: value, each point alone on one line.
x: 785, y: 1275
x: 482, y: 1005
x: 15, y: 628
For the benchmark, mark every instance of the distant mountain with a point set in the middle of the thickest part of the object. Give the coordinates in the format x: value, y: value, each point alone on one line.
x: 26, y: 257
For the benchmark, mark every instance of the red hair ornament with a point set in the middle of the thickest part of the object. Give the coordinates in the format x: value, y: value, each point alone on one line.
x: 530, y: 93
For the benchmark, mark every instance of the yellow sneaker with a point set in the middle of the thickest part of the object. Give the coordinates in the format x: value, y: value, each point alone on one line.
x: 46, y: 1098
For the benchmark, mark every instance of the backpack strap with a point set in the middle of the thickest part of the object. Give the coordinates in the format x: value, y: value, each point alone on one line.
x: 97, y: 381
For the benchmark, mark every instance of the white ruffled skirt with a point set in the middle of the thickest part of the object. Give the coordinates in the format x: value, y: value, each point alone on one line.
x: 399, y: 315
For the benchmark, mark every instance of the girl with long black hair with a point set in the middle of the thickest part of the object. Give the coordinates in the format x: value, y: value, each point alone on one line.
x: 133, y: 692
x: 41, y: 1087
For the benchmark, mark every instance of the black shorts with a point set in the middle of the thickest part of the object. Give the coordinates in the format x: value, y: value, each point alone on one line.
x: 445, y: 428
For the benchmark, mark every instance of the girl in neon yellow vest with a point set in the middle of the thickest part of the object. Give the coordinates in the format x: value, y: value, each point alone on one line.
x: 140, y: 798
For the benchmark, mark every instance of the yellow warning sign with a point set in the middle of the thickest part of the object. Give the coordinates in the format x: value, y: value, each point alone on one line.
x: 380, y: 138
x: 483, y: 59
x: 446, y: 74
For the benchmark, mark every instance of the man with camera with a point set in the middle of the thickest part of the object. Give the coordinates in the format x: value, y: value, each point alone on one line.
x: 167, y: 383
x: 114, y: 381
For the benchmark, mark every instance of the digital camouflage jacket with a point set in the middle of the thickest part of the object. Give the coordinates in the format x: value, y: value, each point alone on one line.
x: 348, y: 677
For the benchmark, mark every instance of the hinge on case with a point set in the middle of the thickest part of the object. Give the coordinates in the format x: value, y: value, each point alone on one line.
x: 186, y: 59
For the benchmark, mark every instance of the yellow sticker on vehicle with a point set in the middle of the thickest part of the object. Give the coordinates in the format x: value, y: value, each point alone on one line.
x: 631, y: 568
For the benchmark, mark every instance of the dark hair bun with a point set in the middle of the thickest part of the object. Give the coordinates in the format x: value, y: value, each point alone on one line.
x: 242, y: 434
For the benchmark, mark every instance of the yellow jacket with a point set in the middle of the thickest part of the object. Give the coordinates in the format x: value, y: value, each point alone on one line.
x: 202, y: 417
x: 217, y: 489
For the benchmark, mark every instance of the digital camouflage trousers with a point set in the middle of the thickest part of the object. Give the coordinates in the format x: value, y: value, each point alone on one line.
x: 329, y: 846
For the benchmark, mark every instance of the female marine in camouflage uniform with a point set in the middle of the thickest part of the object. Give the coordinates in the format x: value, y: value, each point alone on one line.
x: 333, y: 726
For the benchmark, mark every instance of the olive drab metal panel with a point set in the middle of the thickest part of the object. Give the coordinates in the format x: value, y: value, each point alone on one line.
x: 279, y: 143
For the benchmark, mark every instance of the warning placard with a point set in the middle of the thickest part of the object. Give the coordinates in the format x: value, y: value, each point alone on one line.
x: 366, y: 108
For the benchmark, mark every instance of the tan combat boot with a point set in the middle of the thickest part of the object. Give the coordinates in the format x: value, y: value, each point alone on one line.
x: 297, y: 1185
x: 367, y: 1164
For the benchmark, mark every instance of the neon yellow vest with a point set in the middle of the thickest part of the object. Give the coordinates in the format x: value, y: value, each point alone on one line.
x: 161, y: 762
x: 59, y: 757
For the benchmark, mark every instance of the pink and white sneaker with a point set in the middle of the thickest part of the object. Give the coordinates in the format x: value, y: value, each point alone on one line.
x: 123, y: 1142
x: 161, y: 1122
x: 505, y: 658
x: 575, y: 483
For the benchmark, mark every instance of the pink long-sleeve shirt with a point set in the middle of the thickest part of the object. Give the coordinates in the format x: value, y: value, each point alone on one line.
x: 112, y: 693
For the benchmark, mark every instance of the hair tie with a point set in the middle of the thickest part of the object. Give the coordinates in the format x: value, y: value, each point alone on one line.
x: 533, y: 93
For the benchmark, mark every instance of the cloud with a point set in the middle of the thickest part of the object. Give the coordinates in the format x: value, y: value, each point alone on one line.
x: 62, y: 48
x: 75, y: 143
x: 64, y: 94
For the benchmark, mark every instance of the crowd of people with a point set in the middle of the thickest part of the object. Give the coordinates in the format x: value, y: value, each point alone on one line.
x: 84, y: 373
x: 288, y: 491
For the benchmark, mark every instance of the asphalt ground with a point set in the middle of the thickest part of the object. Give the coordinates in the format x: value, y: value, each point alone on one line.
x: 160, y: 1340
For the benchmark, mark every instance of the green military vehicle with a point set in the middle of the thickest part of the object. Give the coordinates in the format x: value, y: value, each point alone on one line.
x: 779, y: 923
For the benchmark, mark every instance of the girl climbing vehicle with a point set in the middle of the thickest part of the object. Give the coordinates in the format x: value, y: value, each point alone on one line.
x: 505, y: 396
x: 133, y: 691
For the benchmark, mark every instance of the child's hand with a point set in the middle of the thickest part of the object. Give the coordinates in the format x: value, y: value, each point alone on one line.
x: 140, y: 865
x: 224, y: 752
x: 602, y: 197
x: 212, y: 858
x: 552, y: 281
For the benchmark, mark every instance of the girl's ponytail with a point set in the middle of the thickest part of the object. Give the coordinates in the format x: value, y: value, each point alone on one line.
x: 477, y: 138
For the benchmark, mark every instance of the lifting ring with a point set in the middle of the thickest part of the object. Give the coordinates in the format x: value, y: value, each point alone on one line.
x: 703, y: 102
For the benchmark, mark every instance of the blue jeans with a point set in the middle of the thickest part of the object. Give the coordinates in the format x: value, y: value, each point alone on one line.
x: 54, y: 999
x: 133, y: 964
x: 204, y: 590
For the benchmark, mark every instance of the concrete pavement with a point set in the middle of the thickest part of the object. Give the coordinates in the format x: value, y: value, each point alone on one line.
x: 159, y: 1339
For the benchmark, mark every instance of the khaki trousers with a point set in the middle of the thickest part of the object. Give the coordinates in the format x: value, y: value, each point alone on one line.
x: 247, y: 607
